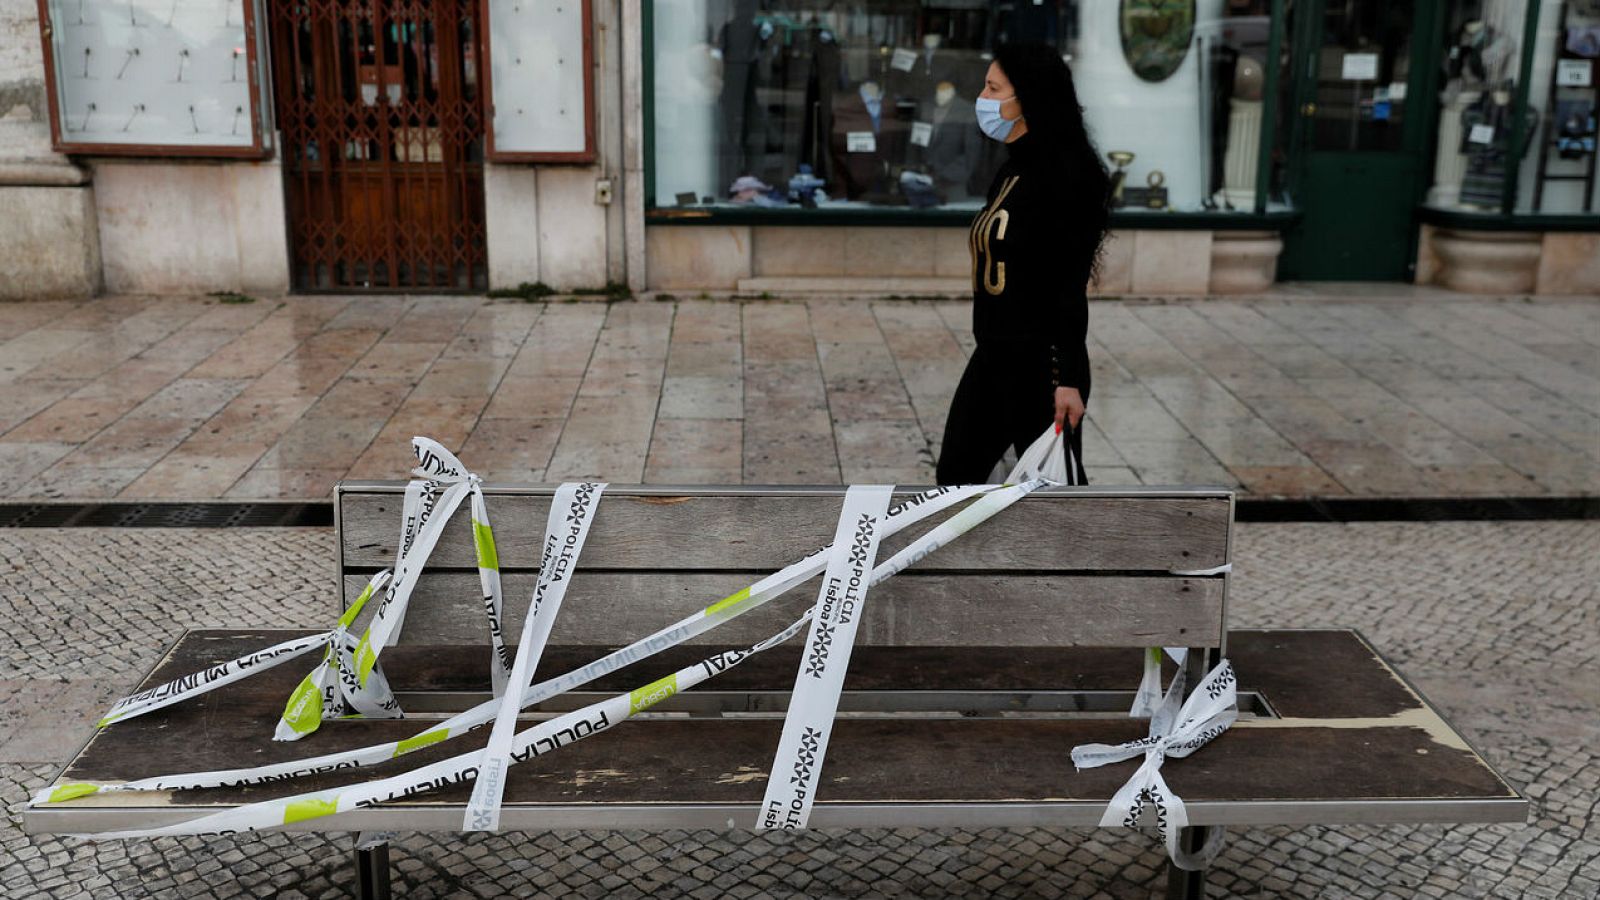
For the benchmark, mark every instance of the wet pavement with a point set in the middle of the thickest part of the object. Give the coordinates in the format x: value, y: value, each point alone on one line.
x: 1312, y: 391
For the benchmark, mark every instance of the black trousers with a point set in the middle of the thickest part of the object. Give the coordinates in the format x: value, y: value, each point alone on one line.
x: 1005, y: 399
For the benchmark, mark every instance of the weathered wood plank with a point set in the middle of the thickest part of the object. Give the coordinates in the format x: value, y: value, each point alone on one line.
x: 613, y: 608
x: 1366, y: 753
x: 1049, y: 531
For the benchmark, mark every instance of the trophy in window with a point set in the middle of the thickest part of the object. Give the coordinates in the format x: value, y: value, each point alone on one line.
x: 1121, y: 159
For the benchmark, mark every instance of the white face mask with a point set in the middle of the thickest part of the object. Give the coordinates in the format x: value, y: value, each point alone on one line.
x: 989, y: 119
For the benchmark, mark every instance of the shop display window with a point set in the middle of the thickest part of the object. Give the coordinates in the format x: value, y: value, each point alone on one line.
x: 1493, y: 128
x: 869, y: 105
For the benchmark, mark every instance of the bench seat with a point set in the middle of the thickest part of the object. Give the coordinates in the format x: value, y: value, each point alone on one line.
x: 927, y: 736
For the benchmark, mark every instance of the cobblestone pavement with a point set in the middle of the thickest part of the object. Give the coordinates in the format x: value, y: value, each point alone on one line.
x: 1495, y: 621
x: 1312, y: 391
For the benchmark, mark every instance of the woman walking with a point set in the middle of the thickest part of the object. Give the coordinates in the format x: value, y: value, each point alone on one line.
x: 1034, y: 248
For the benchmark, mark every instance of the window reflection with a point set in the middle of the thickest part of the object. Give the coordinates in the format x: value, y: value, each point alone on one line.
x: 863, y: 105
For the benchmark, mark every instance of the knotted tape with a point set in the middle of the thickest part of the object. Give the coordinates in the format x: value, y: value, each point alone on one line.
x: 1175, y: 731
x: 349, y: 681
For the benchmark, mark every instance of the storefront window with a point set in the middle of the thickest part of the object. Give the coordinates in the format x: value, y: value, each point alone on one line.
x: 1558, y: 172
x: 1479, y: 125
x: 869, y: 105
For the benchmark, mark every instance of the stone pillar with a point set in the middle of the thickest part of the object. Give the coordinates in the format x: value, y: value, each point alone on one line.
x: 1487, y: 262
x: 47, y: 212
x: 1244, y: 153
x: 1244, y: 262
x: 633, y: 140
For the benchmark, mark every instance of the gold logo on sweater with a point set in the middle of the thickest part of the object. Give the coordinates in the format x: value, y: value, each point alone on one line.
x: 990, y: 225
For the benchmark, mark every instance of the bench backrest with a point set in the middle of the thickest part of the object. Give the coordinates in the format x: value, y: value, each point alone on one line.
x: 1062, y: 567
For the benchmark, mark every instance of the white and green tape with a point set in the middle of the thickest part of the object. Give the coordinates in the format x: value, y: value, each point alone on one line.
x: 841, y: 603
x: 847, y: 560
x: 572, y: 511
x: 910, y: 512
x: 556, y: 733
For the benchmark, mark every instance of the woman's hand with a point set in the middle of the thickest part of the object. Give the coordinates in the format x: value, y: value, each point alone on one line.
x: 1069, y: 407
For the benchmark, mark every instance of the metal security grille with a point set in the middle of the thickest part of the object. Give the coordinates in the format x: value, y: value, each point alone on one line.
x: 383, y: 133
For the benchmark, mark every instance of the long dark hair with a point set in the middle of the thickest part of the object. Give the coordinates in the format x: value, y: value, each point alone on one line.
x: 1043, y: 83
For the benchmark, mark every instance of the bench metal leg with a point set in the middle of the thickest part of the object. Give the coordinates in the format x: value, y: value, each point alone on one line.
x: 1183, y: 884
x: 372, y: 872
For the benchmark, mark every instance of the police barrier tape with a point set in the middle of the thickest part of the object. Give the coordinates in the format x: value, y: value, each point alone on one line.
x: 786, y: 815
x: 1174, y: 731
x: 841, y: 602
x: 318, y: 695
x: 1148, y: 695
x: 546, y: 736
x: 348, y: 680
x: 207, y: 680
x: 572, y: 511
x: 423, y: 520
x: 903, y: 515
x: 434, y: 461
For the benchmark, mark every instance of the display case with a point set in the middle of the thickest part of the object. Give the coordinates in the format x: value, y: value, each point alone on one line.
x: 1517, y: 115
x: 154, y: 77
x: 540, y: 80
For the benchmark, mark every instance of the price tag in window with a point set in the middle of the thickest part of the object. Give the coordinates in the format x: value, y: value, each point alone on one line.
x: 1574, y: 72
x: 921, y: 133
x: 904, y: 59
x: 1360, y: 67
x: 1481, y: 134
x: 860, y: 142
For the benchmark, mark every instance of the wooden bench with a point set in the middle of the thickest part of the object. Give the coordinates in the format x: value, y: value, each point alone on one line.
x: 975, y: 673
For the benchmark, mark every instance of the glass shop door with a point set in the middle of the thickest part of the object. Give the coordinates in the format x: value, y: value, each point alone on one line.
x: 1360, y: 120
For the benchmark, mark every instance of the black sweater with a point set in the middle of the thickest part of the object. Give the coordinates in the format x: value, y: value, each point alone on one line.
x: 1031, y: 263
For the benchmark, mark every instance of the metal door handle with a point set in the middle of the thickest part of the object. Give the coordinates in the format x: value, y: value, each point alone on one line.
x: 1309, y: 109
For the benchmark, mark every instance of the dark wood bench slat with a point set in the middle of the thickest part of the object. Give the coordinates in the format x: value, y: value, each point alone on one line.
x: 674, y: 762
x: 1298, y: 660
x: 603, y: 608
x: 752, y: 532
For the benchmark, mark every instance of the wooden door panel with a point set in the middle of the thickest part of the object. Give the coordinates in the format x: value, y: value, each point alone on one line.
x: 383, y: 134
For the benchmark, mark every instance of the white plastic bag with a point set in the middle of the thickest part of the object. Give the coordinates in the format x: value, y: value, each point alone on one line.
x: 1047, y: 458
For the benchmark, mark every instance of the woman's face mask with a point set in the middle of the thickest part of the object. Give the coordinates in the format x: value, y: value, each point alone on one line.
x: 989, y: 119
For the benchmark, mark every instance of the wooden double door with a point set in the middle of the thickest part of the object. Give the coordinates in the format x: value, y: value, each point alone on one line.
x: 380, y: 106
